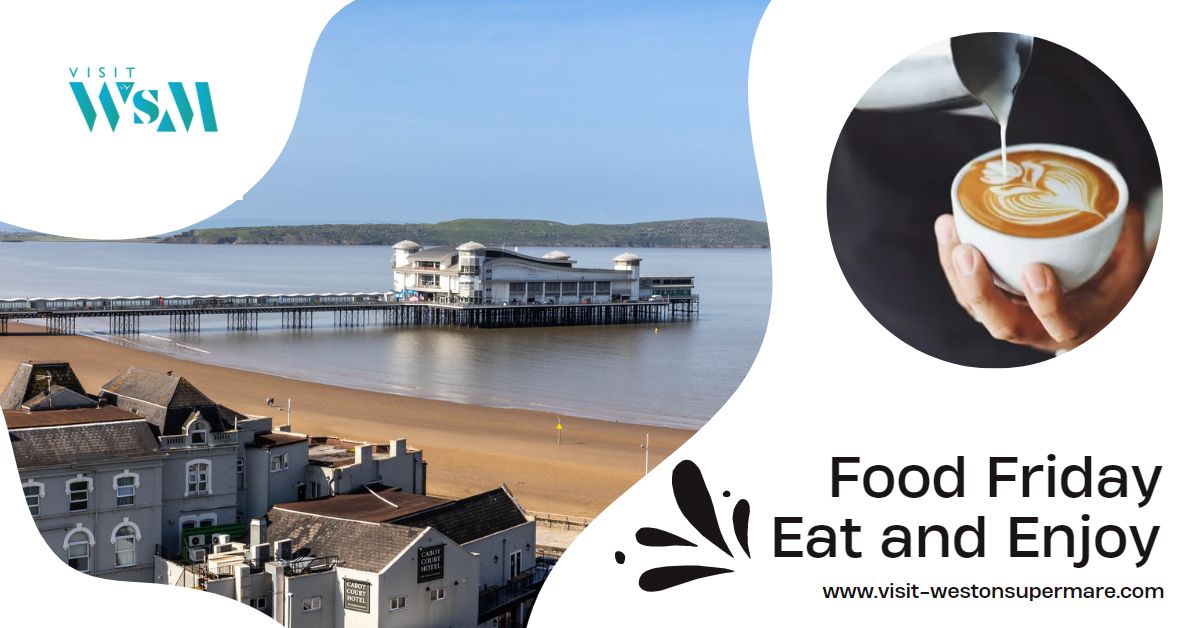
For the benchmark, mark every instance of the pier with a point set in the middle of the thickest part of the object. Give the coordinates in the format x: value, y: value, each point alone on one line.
x: 296, y: 311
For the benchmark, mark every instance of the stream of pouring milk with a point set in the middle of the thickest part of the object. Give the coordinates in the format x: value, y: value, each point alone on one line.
x: 1004, y: 146
x: 999, y: 96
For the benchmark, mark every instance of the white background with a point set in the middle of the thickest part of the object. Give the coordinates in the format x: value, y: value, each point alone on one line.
x: 829, y: 380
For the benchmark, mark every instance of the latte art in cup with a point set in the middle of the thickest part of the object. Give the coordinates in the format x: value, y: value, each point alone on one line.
x: 1041, y: 194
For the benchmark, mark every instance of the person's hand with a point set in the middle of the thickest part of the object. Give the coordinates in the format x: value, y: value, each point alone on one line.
x: 1046, y: 318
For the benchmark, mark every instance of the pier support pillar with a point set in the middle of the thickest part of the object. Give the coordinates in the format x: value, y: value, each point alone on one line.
x: 60, y: 325
x: 296, y: 319
x: 241, y: 321
x: 185, y: 321
x: 123, y: 323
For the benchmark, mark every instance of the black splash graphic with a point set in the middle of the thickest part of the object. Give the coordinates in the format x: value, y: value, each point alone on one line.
x: 653, y: 537
x: 696, y: 505
x: 662, y: 578
x: 691, y: 495
x: 741, y: 525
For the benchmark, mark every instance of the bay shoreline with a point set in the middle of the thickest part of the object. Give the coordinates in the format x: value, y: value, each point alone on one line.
x: 469, y: 448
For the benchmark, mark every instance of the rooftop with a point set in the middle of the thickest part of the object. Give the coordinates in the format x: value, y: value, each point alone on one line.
x: 363, y: 506
x: 17, y: 419
x: 463, y: 520
x: 35, y: 376
x: 358, y: 545
x: 277, y: 439
x: 432, y: 253
x: 82, y: 444
x: 163, y: 389
x: 167, y: 400
x: 473, y: 517
x: 330, y: 451
x: 58, y: 398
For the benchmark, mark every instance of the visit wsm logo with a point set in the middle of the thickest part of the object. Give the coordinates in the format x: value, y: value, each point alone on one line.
x: 111, y: 91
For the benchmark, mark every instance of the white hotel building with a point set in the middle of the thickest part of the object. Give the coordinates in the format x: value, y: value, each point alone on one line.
x: 153, y: 481
x: 473, y: 273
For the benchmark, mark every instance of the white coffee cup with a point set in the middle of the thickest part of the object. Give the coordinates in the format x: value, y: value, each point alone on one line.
x: 1074, y: 258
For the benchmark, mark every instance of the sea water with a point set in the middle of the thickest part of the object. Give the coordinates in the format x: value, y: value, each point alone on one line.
x: 679, y: 376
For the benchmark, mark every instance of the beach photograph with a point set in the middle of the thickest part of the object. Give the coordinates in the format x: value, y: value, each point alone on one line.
x: 511, y: 258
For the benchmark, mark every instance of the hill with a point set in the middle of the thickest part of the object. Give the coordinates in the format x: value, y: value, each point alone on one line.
x: 697, y: 232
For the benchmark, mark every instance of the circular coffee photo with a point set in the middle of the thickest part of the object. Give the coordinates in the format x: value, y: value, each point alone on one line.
x: 994, y: 200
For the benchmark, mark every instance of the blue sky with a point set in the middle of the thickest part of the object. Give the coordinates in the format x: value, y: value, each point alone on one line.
x: 584, y: 111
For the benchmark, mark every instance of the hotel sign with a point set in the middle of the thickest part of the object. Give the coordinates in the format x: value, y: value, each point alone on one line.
x: 429, y: 563
x: 357, y: 596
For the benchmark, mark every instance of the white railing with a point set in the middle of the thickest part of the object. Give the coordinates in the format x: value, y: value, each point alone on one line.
x: 223, y: 438
x: 184, y: 441
x: 173, y: 442
x: 556, y: 520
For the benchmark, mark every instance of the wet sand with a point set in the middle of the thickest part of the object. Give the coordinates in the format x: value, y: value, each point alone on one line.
x: 469, y: 448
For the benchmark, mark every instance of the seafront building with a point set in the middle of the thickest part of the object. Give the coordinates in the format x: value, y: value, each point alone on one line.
x: 473, y: 273
x: 91, y: 473
x: 151, y: 480
x: 380, y: 557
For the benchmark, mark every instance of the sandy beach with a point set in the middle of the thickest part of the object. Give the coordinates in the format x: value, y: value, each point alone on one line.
x: 469, y: 448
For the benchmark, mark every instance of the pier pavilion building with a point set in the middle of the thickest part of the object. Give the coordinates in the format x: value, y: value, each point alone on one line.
x: 473, y: 273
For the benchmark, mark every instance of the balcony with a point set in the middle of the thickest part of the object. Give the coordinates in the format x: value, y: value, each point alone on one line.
x: 184, y: 441
x: 497, y: 600
x: 310, y: 564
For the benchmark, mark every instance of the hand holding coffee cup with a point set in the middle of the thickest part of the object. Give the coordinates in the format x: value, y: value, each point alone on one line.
x: 1053, y: 226
x: 1053, y: 205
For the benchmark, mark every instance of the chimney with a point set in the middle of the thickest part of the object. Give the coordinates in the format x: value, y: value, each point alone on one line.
x: 261, y: 555
x: 283, y: 550
x: 362, y: 453
x: 258, y: 531
x: 398, y: 446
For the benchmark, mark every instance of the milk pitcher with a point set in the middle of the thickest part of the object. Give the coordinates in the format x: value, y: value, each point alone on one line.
x: 975, y: 74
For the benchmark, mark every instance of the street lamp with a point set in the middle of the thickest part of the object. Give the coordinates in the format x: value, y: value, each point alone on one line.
x: 288, y: 409
x: 646, y: 448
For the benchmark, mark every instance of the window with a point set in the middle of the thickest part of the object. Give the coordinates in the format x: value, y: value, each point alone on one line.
x: 259, y: 602
x: 437, y: 595
x: 77, y: 493
x: 125, y: 544
x: 310, y: 604
x: 79, y: 549
x: 126, y: 489
x: 514, y: 564
x: 34, y: 492
x: 279, y: 462
x: 398, y: 603
x: 198, y: 432
x: 197, y: 478
x: 241, y: 472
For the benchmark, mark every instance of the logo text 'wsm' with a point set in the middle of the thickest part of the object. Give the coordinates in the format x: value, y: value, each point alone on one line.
x: 149, y: 106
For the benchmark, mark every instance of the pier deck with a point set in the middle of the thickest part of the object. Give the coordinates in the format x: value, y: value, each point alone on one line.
x: 242, y: 312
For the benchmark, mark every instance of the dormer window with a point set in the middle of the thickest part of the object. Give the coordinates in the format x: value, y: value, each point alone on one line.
x: 197, y: 431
